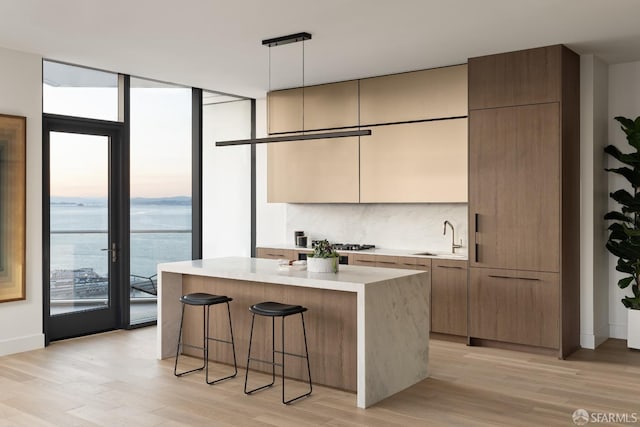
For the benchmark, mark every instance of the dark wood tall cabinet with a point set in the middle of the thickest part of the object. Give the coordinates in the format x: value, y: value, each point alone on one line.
x: 524, y: 275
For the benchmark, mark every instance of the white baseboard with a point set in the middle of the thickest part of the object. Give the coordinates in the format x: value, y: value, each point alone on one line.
x: 20, y: 344
x: 588, y: 341
x: 600, y: 339
x: 592, y: 341
x: 617, y: 330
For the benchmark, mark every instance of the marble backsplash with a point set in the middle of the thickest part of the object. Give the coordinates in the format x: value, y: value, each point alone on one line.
x: 392, y: 226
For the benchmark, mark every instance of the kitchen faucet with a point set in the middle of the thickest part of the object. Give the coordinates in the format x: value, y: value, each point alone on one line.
x: 453, y: 237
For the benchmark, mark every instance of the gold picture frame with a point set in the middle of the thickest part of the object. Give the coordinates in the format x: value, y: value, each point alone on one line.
x: 13, y: 138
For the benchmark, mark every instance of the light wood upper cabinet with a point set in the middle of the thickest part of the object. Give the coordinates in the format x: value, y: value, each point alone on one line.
x: 315, y: 171
x: 418, y: 95
x: 284, y: 111
x: 332, y: 105
x: 415, y: 162
x: 529, y: 76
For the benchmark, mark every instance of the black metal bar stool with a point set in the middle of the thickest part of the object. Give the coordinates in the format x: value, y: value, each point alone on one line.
x: 273, y: 310
x: 206, y: 301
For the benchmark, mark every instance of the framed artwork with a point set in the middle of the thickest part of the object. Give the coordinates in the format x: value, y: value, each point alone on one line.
x: 13, y: 130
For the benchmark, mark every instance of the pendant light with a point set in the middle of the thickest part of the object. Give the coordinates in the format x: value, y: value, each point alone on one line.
x: 279, y: 41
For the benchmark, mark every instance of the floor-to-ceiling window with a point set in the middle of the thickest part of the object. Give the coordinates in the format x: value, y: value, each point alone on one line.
x: 121, y: 193
x: 160, y: 187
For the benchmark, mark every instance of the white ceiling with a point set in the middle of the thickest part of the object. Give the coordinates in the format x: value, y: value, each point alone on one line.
x: 216, y: 44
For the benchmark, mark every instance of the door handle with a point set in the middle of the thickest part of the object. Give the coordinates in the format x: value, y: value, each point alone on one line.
x: 449, y: 266
x: 114, y: 252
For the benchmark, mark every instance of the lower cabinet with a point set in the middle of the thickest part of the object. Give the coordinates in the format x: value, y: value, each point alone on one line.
x: 272, y: 253
x: 515, y: 307
x: 449, y: 297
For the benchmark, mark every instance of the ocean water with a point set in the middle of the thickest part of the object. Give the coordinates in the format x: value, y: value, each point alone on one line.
x: 78, y: 234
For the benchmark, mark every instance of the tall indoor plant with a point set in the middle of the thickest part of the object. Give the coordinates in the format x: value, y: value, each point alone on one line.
x: 624, y: 237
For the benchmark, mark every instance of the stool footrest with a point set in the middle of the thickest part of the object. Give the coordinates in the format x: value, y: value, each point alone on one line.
x: 268, y: 362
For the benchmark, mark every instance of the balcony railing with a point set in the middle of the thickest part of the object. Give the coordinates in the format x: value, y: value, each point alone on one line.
x: 83, y: 285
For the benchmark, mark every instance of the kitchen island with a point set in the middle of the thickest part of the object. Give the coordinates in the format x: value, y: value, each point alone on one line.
x: 368, y: 328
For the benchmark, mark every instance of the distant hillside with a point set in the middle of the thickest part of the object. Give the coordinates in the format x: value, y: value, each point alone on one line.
x: 178, y: 200
x: 136, y: 201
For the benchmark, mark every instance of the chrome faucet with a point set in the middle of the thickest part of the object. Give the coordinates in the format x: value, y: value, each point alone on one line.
x: 453, y: 237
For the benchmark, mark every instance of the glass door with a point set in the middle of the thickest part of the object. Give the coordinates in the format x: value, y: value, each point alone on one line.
x: 84, y: 249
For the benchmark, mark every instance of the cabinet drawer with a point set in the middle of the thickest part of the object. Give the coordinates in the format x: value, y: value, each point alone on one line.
x: 272, y: 253
x: 514, y: 306
x: 385, y: 261
x: 365, y: 260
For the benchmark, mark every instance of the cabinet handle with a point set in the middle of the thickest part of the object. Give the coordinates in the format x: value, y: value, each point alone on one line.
x: 406, y: 263
x: 513, y: 277
x: 366, y: 261
x: 386, y: 262
x: 449, y: 266
x: 475, y: 229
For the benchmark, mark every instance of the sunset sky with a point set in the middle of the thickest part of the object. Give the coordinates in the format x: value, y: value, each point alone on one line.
x: 160, y: 142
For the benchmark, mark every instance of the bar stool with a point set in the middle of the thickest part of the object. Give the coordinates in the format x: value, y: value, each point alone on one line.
x: 206, y: 301
x: 273, y: 310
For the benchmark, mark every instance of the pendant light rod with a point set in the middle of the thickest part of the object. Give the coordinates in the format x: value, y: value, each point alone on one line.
x: 291, y: 38
x: 279, y: 41
x: 285, y: 138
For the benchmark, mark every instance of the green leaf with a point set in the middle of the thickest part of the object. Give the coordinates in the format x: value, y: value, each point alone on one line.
x: 617, y: 232
x: 618, y: 216
x: 625, y: 198
x: 625, y: 122
x: 636, y: 291
x: 625, y: 267
x: 623, y: 283
x: 623, y: 251
x: 631, y: 175
x: 632, y: 159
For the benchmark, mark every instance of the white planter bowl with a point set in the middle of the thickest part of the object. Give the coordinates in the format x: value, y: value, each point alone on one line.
x: 633, y: 332
x: 322, y: 265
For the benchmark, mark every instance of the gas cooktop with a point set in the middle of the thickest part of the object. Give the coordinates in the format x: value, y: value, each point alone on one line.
x: 351, y: 247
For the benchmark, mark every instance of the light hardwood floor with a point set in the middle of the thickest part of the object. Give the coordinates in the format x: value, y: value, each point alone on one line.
x: 113, y: 379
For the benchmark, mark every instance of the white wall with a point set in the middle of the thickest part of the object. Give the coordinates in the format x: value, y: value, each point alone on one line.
x: 271, y: 218
x: 226, y: 181
x: 594, y: 300
x: 624, y: 100
x: 21, y: 95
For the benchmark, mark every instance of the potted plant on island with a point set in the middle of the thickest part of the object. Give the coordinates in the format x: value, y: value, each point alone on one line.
x: 324, y: 258
x: 624, y: 237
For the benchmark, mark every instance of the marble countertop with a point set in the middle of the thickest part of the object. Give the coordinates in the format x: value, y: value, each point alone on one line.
x: 349, y: 278
x: 382, y: 251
